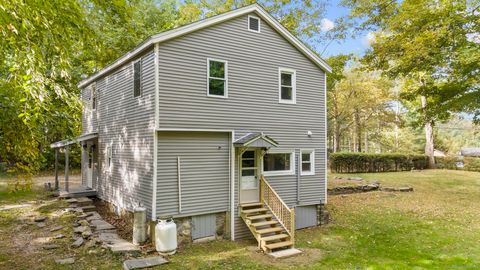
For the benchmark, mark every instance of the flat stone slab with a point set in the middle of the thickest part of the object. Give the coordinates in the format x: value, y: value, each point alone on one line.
x: 40, y: 224
x: 88, y: 208
x: 108, y: 237
x: 78, y: 242
x: 122, y: 246
x: 72, y: 200
x: 86, y: 215
x: 65, y: 261
x: 56, y: 228
x: 143, y: 263
x: 59, y: 236
x: 101, y: 225
x: 285, y: 253
x: 15, y: 206
x: 80, y: 229
x: 84, y: 201
x: 49, y: 247
x: 40, y: 219
x: 94, y: 216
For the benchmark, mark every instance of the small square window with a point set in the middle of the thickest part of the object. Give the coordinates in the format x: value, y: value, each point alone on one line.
x: 308, y: 162
x: 137, y: 78
x: 217, y: 78
x: 253, y: 24
x: 287, y: 85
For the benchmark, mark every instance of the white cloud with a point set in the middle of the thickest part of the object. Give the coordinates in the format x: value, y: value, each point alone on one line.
x: 326, y: 25
x: 368, y: 39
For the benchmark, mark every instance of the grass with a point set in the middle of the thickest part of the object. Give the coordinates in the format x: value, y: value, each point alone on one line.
x: 435, y: 227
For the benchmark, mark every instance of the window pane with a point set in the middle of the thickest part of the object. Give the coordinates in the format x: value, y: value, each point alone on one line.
x: 305, y: 157
x: 136, y: 78
x: 248, y: 154
x: 217, y: 69
x: 248, y: 172
x: 286, y: 79
x: 216, y: 87
x: 306, y: 167
x: 286, y: 93
x: 248, y: 163
x: 276, y: 162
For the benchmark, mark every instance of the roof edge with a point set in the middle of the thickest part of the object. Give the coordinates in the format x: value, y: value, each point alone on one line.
x: 192, y: 27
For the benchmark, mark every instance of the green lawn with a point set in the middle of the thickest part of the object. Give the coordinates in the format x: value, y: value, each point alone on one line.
x: 435, y: 227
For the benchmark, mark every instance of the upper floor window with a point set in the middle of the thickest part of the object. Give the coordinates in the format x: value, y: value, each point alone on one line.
x: 137, y: 78
x: 278, y: 162
x: 254, y: 24
x: 217, y: 78
x: 287, y: 86
x: 308, y: 162
x: 94, y: 96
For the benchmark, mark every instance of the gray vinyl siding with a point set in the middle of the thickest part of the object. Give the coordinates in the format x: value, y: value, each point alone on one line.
x: 89, y: 116
x: 252, y: 105
x: 305, y: 216
x: 126, y: 124
x: 203, y: 226
x: 204, y: 172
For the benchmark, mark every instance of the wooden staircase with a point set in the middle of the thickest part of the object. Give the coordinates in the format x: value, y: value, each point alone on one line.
x: 271, y: 222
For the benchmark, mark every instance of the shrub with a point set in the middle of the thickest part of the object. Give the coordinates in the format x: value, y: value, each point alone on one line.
x: 370, y: 162
x: 471, y: 164
x: 448, y: 162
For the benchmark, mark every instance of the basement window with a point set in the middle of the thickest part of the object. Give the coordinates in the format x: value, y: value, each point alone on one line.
x: 254, y: 24
x: 137, y: 78
x: 217, y: 78
x: 278, y: 162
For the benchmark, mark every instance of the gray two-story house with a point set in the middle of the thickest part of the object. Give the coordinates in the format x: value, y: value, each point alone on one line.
x: 220, y: 124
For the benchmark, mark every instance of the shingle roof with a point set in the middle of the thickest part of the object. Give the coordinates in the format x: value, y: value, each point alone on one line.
x: 470, y: 152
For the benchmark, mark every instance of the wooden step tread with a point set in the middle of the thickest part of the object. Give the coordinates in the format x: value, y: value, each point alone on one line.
x: 255, y: 210
x: 251, y: 204
x: 279, y: 245
x: 259, y: 216
x: 275, y: 237
x: 270, y: 230
x: 264, y: 223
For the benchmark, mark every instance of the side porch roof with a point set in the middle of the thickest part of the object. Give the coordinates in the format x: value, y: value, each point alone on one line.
x: 84, y: 137
x: 255, y: 139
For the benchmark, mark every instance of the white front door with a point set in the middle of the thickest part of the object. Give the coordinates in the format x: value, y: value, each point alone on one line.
x: 90, y: 154
x: 249, y: 188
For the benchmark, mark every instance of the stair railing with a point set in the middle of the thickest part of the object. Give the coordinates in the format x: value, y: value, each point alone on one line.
x: 284, y: 215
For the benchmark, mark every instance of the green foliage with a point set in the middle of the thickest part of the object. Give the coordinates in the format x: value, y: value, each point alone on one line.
x: 448, y: 162
x: 471, y: 164
x: 370, y: 162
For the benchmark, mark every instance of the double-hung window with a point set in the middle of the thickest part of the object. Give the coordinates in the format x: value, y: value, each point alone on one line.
x: 137, y: 78
x: 308, y: 162
x: 279, y: 162
x: 287, y: 85
x: 94, y: 96
x: 217, y: 78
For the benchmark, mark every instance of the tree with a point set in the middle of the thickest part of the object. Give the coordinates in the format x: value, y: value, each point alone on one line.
x: 433, y: 44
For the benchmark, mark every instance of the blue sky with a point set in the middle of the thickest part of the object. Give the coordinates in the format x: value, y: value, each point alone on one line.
x: 355, y: 46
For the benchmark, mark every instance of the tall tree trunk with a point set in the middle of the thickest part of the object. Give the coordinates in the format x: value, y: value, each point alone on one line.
x: 429, y: 143
x: 358, y: 130
x: 366, y: 142
x: 336, y: 136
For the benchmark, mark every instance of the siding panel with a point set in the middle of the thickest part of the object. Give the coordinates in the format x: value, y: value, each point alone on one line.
x: 305, y: 216
x: 203, y: 226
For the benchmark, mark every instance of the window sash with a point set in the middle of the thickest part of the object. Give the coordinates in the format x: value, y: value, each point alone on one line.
x: 210, y: 78
x: 310, y: 162
x: 287, y: 86
x: 288, y: 170
x: 137, y: 78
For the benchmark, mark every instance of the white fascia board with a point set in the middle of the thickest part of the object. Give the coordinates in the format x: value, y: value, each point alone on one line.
x: 206, y: 23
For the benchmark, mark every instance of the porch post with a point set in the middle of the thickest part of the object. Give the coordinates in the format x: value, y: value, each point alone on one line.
x: 56, y: 169
x: 66, y: 168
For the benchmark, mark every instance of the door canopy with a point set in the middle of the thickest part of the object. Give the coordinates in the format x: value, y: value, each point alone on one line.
x: 255, y: 139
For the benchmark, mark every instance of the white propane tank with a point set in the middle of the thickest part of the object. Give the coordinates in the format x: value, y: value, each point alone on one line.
x: 166, y: 236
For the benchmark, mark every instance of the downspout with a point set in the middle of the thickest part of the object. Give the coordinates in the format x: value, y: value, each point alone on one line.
x: 155, y: 143
x: 232, y: 187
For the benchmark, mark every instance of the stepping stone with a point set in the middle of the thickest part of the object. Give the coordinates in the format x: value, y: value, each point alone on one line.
x: 94, y: 216
x: 40, y: 219
x: 88, y: 208
x: 123, y: 246
x: 87, y: 234
x: 143, y: 263
x: 57, y: 228
x: 59, y: 236
x: 78, y: 242
x: 86, y: 215
x: 40, y: 224
x: 80, y: 229
x: 108, y: 237
x: 65, y: 261
x: 72, y: 200
x: 83, y: 223
x: 100, y: 225
x: 84, y: 201
x: 285, y: 253
x: 49, y: 247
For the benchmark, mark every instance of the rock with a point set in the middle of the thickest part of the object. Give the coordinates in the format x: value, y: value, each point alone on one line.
x: 40, y: 219
x: 86, y: 215
x: 88, y: 208
x: 143, y: 263
x: 405, y: 189
x: 94, y: 216
x: 65, y: 261
x: 41, y: 224
x: 123, y: 246
x: 56, y: 228
x: 90, y: 244
x: 101, y: 225
x: 59, y: 236
x: 80, y: 229
x: 84, y: 201
x: 83, y: 223
x: 49, y: 247
x: 355, y: 178
x: 72, y: 200
x: 78, y: 242
x: 87, y: 234
x: 76, y: 224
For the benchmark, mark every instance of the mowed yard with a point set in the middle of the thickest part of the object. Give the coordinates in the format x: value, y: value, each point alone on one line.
x: 435, y: 227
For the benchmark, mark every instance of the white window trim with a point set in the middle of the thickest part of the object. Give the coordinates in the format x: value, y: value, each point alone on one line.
x: 259, y: 24
x: 291, y: 171
x: 294, y: 85
x: 109, y: 155
x: 92, y: 100
x: 225, y: 94
x: 312, y: 161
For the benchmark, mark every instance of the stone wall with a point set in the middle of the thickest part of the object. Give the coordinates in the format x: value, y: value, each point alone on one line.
x: 323, y: 216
